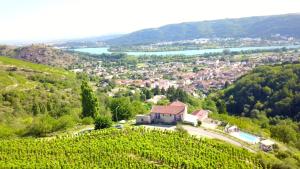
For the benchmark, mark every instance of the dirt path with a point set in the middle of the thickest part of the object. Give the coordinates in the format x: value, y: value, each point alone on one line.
x: 210, y: 134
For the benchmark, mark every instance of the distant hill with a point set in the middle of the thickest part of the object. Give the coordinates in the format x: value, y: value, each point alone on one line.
x: 40, y: 54
x: 97, y: 41
x: 260, y: 26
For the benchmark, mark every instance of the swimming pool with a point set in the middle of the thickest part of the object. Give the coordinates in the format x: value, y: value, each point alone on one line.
x: 245, y: 137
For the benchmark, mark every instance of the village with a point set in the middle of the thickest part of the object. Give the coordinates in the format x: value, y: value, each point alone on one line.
x: 198, y: 76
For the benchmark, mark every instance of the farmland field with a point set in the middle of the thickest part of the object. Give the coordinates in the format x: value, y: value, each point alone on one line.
x: 128, y: 148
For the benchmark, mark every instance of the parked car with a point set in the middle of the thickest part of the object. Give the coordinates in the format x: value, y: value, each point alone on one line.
x: 119, y: 126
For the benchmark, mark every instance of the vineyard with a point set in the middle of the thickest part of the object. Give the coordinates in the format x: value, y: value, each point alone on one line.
x: 128, y: 148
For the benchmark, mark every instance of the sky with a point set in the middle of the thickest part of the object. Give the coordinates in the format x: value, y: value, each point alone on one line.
x: 42, y: 20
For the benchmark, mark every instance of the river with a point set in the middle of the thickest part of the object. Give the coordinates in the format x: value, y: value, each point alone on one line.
x: 183, y: 52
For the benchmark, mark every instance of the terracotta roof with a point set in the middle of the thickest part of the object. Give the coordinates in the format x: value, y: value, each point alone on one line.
x: 177, y: 103
x: 199, y: 112
x: 167, y: 109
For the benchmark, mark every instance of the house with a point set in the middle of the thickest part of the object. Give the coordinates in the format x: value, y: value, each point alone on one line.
x: 266, y: 145
x: 201, y: 114
x: 169, y: 114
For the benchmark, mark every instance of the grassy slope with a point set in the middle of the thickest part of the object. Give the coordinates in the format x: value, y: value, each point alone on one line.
x: 23, y: 83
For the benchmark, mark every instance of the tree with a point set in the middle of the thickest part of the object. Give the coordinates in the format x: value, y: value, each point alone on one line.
x: 143, y: 97
x: 148, y: 94
x: 138, y: 107
x: 221, y: 105
x: 156, y: 91
x: 90, y: 104
x: 196, y: 69
x: 284, y: 133
x: 121, y: 109
x: 36, y: 109
x: 102, y: 122
x: 163, y: 91
x: 181, y: 95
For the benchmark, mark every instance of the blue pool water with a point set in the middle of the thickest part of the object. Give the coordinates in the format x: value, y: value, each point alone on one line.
x: 248, y: 137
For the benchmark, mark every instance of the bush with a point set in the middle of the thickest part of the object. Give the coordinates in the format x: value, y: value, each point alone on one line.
x: 65, y: 122
x: 42, y: 125
x: 87, y: 120
x: 6, y: 132
x: 181, y: 130
x: 102, y: 122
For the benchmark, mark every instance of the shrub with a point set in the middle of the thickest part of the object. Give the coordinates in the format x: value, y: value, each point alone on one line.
x: 181, y: 130
x: 5, y: 132
x: 102, y: 122
x: 65, y: 122
x: 87, y: 120
x: 42, y: 125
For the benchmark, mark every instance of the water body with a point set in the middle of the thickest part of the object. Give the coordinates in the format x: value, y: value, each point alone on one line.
x: 246, y: 137
x: 184, y: 52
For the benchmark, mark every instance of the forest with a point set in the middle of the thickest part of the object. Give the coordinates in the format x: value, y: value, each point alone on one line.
x: 267, y: 100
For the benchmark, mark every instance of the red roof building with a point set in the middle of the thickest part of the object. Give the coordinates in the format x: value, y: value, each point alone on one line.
x: 171, y: 113
x: 201, y: 114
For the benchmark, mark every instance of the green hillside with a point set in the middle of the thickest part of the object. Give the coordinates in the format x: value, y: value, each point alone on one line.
x: 36, y: 99
x: 265, y: 101
x: 272, y: 90
x: 128, y: 148
x: 262, y: 26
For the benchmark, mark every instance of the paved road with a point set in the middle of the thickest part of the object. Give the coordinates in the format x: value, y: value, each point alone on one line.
x: 200, y: 132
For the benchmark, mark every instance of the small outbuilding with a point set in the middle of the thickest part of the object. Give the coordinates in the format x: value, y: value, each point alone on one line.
x: 201, y: 114
x: 266, y: 145
x: 190, y: 119
x: 143, y: 119
x: 232, y: 129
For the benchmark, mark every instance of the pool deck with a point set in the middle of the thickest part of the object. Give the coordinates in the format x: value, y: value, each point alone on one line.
x: 237, y: 135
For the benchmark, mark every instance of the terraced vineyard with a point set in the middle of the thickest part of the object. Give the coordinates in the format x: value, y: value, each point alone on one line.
x: 128, y: 148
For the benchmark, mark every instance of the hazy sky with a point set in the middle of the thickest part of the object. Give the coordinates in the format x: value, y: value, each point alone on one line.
x: 59, y: 19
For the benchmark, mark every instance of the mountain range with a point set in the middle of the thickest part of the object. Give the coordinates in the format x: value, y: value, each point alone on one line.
x: 258, y: 26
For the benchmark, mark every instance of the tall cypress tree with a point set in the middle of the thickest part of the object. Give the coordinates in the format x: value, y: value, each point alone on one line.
x: 90, y: 104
